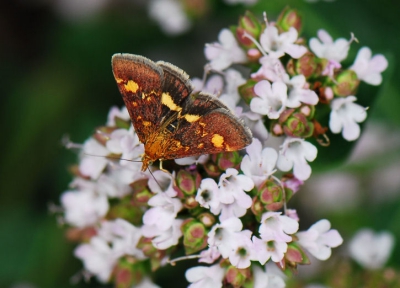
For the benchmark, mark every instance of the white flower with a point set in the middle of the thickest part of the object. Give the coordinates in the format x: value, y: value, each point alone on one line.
x: 214, y: 84
x: 115, y: 184
x: 192, y: 160
x: 344, y: 117
x: 277, y: 227
x: 234, y: 201
x: 271, y: 69
x: 162, y: 214
x: 371, y: 250
x: 232, y: 187
x: 266, y: 279
x: 230, y: 97
x: 170, y: 16
x: 163, y: 239
x: 295, y: 153
x: 160, y: 222
x: 84, y: 208
x: 246, y: 2
x: 225, y: 52
x: 271, y: 100
x: 123, y: 236
x: 210, y: 255
x: 162, y: 183
x: 146, y: 283
x: 369, y: 68
x: 235, y: 209
x: 126, y: 142
x: 98, y: 258
x: 205, y: 277
x: 77, y: 11
x: 324, y: 47
x: 259, y: 163
x: 243, y: 251
x: 254, y: 122
x: 271, y: 249
x: 299, y: 94
x: 228, y: 197
x: 222, y: 235
x: 119, y: 113
x: 93, y: 166
x: 276, y: 45
x: 319, y: 239
x: 207, y: 195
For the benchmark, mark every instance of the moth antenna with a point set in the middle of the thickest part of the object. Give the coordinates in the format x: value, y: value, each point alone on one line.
x: 110, y: 157
x: 148, y: 168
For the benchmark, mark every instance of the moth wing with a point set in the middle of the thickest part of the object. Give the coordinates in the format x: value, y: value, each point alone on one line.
x: 176, y: 88
x: 206, y: 126
x: 140, y: 83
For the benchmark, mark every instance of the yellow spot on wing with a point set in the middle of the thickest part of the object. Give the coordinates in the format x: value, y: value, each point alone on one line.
x: 134, y: 104
x: 146, y: 123
x: 131, y: 86
x: 119, y: 80
x: 217, y: 140
x: 166, y: 99
x: 191, y: 118
x: 201, y: 145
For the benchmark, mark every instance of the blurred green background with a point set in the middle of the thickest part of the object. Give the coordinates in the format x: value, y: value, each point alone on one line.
x: 56, y: 79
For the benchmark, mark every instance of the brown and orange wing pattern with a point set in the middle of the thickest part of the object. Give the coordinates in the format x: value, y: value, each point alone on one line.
x: 206, y: 126
x: 140, y: 83
x: 170, y: 120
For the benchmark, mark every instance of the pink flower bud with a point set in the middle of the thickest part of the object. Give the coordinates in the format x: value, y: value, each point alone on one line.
x: 237, y: 277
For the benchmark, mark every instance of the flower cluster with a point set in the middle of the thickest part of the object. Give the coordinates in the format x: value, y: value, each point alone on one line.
x: 227, y: 209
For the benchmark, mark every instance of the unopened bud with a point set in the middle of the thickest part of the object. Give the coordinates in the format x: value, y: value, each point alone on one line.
x: 289, y: 18
x: 296, y: 125
x: 122, y: 123
x: 237, y: 277
x: 346, y: 83
x: 194, y: 236
x: 207, y: 219
x: 227, y: 160
x: 248, y: 25
x: 188, y: 182
x: 102, y: 134
x: 295, y: 255
x: 246, y: 90
x: 308, y: 65
x: 271, y: 195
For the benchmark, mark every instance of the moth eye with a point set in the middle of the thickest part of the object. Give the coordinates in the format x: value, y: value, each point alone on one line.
x: 172, y: 126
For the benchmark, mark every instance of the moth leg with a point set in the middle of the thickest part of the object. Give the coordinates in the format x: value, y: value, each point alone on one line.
x: 162, y: 169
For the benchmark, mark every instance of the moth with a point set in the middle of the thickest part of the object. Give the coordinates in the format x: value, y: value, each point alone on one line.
x: 169, y: 119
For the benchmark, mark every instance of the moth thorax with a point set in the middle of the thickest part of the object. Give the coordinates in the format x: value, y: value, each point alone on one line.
x: 154, y: 149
